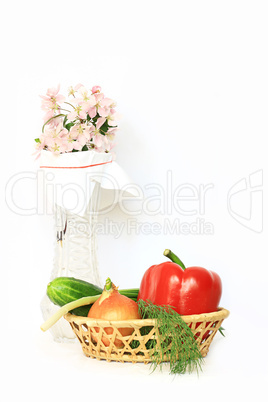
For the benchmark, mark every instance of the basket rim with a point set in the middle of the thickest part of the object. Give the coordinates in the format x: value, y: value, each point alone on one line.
x: 220, y: 314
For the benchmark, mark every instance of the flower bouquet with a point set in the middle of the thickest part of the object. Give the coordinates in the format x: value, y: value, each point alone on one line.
x: 74, y: 148
x: 82, y: 122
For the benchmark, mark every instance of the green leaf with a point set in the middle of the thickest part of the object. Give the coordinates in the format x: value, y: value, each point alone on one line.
x: 37, y: 140
x: 95, y: 118
x: 104, y: 128
x: 85, y: 148
x: 221, y: 331
x: 69, y: 125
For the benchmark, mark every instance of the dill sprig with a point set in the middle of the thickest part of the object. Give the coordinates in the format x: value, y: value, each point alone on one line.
x: 175, y: 339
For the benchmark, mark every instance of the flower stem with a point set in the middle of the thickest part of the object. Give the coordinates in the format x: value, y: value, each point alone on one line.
x: 54, y: 117
x: 67, y: 103
x: 65, y: 110
x: 168, y: 253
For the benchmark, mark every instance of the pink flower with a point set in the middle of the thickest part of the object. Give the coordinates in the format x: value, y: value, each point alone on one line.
x: 111, y: 133
x: 52, y: 133
x: 81, y: 135
x: 108, y: 146
x: 78, y: 145
x: 55, y: 140
x: 69, y: 143
x: 103, y: 105
x: 100, y: 122
x: 80, y: 131
x: 112, y: 118
x: 39, y: 146
x: 96, y: 89
x: 80, y: 112
x: 83, y: 92
x: 53, y: 93
x: 58, y: 145
x: 72, y: 91
x: 94, y: 103
x: 103, y: 111
x: 97, y: 138
x: 54, y: 122
x: 107, y: 102
x: 51, y: 101
x: 78, y: 136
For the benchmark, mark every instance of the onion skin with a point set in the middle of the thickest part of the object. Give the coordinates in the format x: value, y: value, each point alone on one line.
x: 113, y: 306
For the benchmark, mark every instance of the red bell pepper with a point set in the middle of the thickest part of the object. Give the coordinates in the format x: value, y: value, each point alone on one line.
x: 193, y: 290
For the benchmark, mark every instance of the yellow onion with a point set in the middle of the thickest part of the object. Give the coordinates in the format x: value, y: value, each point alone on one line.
x: 113, y: 306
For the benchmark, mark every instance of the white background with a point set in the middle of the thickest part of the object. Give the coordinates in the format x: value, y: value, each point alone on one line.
x: 190, y: 80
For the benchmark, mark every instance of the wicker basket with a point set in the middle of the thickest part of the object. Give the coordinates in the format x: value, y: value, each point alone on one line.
x: 91, y: 332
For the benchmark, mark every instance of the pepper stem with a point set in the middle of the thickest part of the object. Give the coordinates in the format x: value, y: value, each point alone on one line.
x: 108, y: 284
x: 168, y: 253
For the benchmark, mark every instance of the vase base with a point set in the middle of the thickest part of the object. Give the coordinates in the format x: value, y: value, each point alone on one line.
x: 63, y: 339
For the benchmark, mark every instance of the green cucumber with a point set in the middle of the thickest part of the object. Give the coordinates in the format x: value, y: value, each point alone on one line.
x: 63, y: 290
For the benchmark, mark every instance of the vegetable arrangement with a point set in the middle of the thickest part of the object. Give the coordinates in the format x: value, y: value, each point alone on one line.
x: 166, y: 292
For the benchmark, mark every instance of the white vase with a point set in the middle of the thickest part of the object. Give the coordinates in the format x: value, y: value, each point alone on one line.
x: 75, y: 250
x: 75, y: 256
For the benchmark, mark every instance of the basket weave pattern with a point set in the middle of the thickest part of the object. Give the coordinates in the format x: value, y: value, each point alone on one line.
x: 91, y: 333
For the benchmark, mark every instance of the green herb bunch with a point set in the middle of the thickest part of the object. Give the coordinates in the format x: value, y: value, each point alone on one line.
x: 175, y: 339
